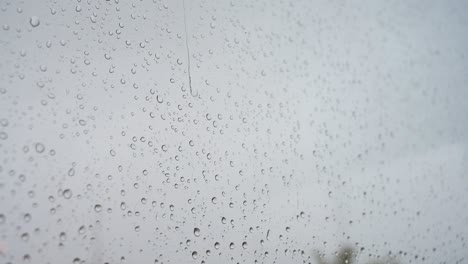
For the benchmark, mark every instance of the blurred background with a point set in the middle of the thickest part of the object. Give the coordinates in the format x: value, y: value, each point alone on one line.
x: 271, y: 131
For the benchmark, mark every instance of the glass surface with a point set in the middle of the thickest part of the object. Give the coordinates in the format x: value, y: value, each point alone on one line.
x: 233, y: 131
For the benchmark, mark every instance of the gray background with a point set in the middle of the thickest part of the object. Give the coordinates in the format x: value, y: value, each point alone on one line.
x: 312, y: 125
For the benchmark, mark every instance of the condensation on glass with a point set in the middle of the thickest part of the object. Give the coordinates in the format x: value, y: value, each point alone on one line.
x: 233, y: 131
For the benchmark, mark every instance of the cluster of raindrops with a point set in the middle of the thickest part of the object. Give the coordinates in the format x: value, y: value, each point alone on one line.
x: 230, y: 132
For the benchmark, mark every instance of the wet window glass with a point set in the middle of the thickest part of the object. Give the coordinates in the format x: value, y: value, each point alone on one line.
x: 194, y: 131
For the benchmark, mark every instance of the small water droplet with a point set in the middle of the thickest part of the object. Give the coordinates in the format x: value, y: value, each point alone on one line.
x: 25, y: 236
x: 159, y: 99
x: 34, y: 21
x: 27, y: 217
x: 82, y: 229
x: 67, y: 194
x: 196, y: 231
x: 3, y: 135
x: 39, y: 147
x: 98, y: 208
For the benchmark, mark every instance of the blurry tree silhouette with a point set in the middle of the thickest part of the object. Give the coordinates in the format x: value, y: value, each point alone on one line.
x: 347, y: 255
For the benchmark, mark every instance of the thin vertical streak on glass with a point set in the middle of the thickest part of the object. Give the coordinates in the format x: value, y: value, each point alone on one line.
x: 188, y: 53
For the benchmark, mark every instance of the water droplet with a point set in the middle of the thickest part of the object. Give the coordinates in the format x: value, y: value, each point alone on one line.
x: 34, y: 21
x: 159, y: 99
x: 82, y: 229
x: 67, y: 194
x: 39, y: 147
x: 25, y: 236
x: 3, y: 135
x: 4, y: 122
x: 194, y: 255
x: 196, y: 231
x: 27, y: 217
x: 98, y: 208
x: 63, y: 236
